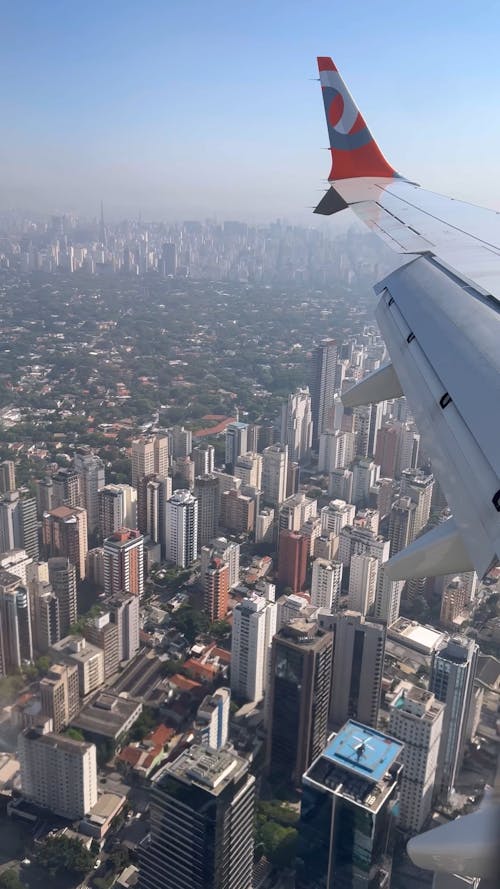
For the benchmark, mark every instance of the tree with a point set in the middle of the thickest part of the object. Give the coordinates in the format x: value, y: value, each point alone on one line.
x: 61, y: 854
x: 10, y: 880
x: 219, y: 629
x: 75, y: 734
x: 190, y: 622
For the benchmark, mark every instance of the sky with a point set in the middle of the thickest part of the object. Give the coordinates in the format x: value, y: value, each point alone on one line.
x: 180, y: 110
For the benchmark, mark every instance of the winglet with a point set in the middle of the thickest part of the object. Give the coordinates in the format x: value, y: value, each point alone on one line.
x: 354, y: 150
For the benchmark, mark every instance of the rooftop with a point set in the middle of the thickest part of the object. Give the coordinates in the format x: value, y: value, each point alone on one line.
x: 107, y: 715
x: 212, y: 770
x: 363, y: 751
x: 423, y: 638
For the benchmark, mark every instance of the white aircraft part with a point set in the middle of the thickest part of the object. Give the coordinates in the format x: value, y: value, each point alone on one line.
x: 381, y: 385
x: 440, y: 551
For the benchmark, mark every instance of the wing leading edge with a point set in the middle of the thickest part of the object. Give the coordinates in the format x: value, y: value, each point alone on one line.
x: 440, y: 317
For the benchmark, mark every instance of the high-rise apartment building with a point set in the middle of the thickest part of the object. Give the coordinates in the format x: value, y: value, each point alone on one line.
x: 18, y: 524
x: 60, y: 695
x: 388, y: 597
x: 417, y: 719
x: 44, y: 496
x: 153, y: 491
x: 88, y: 659
x: 248, y: 468
x: 216, y: 589
x: 7, y: 476
x: 237, y: 512
x: 64, y: 533
x: 124, y: 563
x: 58, y: 773
x: 347, y: 811
x: 336, y: 450
x: 202, y: 823
x: 203, y: 457
x: 324, y: 367
x: 206, y: 490
x: 296, y: 424
x: 402, y: 524
x: 66, y: 488
x: 62, y: 578
x: 356, y: 539
x: 336, y: 516
x: 365, y: 474
x: 382, y: 496
x: 124, y: 612
x: 326, y: 583
x: 45, y: 616
x: 117, y: 506
x: 149, y: 457
x: 453, y: 669
x: 226, y: 550
x: 292, y: 560
x: 254, y: 625
x: 452, y: 603
x: 295, y: 511
x: 181, y: 520
x: 102, y: 632
x: 419, y: 487
x: 340, y: 485
x: 274, y: 473
x: 236, y: 442
x: 90, y: 469
x: 212, y: 719
x: 299, y: 694
x: 358, y: 662
x: 362, y: 583
x: 16, y: 639
x: 17, y: 562
x: 181, y: 441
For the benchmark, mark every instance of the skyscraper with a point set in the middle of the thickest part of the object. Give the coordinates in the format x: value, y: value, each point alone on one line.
x: 64, y: 533
x: 301, y: 666
x: 362, y: 583
x: 62, y: 577
x: 66, y: 490
x: 15, y: 622
x: 236, y: 442
x: 453, y: 669
x: 417, y: 720
x: 296, y: 424
x: 149, y: 456
x: 402, y: 524
x: 181, y: 528
x: 206, y: 490
x: 248, y: 468
x: 336, y: 516
x: 254, y: 625
x: 124, y: 612
x: 124, y: 563
x: 58, y: 773
x: 326, y: 583
x: 216, y: 589
x: 117, y: 506
x: 224, y: 549
x: 60, y: 695
x: 388, y: 597
x: 274, y: 471
x: 90, y: 469
x: 346, y: 813
x: 419, y: 487
x: 324, y: 366
x: 336, y: 450
x: 203, y: 457
x: 18, y: 524
x: 202, y: 823
x: 358, y: 662
x: 7, y: 476
x: 153, y: 491
x: 292, y: 560
x: 364, y: 475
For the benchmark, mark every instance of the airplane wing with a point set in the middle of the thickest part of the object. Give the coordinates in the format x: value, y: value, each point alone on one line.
x: 439, y: 314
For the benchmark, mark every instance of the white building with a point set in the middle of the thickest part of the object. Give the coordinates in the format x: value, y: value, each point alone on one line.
x: 89, y: 659
x: 296, y: 424
x: 362, y: 583
x: 388, y: 597
x: 325, y: 584
x: 16, y: 562
x: 336, y: 450
x: 248, y: 468
x: 124, y: 612
x: 149, y: 456
x: 212, y: 719
x: 254, y: 625
x: 293, y: 607
x: 236, y: 441
x: 336, y: 516
x: 365, y: 474
x: 354, y: 540
x: 295, y: 511
x: 340, y: 485
x: 274, y: 472
x: 228, y: 551
x: 264, y: 525
x: 417, y: 720
x: 117, y: 508
x: 58, y: 773
x: 90, y: 469
x: 181, y: 528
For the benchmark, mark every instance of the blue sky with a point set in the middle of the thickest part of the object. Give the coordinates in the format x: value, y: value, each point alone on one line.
x: 199, y: 109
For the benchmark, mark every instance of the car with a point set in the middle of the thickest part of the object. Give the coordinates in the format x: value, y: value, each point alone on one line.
x: 97, y: 863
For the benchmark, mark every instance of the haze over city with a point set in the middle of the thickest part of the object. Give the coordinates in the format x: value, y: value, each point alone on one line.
x: 182, y: 111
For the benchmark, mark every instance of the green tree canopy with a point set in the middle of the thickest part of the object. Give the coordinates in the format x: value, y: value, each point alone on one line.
x: 61, y: 854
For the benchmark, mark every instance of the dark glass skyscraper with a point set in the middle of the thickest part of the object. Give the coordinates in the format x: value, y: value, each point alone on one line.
x: 324, y: 368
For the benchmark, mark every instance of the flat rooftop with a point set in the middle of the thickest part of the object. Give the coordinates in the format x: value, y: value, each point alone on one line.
x: 423, y: 638
x: 211, y: 770
x: 363, y: 751
x: 107, y: 715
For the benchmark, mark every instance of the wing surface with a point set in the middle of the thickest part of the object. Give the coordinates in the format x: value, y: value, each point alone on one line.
x: 440, y: 317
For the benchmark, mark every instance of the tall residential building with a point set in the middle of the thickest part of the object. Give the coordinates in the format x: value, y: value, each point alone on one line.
x: 295, y: 511
x: 237, y: 512
x: 336, y: 516
x: 58, y: 773
x: 44, y: 496
x: 149, y: 456
x: 292, y: 560
x: 362, y: 583
x: 356, y: 539
x: 254, y: 625
x: 124, y: 612
x: 453, y: 670
x: 336, y: 450
x: 18, y: 524
x: 296, y: 424
x: 102, y: 632
x: 417, y: 720
x: 90, y: 468
x: 324, y: 367
x: 326, y: 583
x: 236, y: 442
x: 264, y: 525
x: 226, y: 550
x: 62, y: 578
x: 183, y: 471
x: 203, y: 457
x: 153, y: 491
x: 340, y: 485
x: 64, y: 533
x: 452, y: 603
x: 402, y: 524
x: 364, y: 475
x: 60, y: 695
x: 388, y: 597
x: 202, y: 823
x: 216, y: 589
x: 382, y: 496
x: 181, y: 442
x: 346, y: 815
x: 181, y: 528
x: 7, y: 476
x: 301, y: 668
x: 248, y: 468
x: 212, y: 719
x: 358, y: 662
x: 17, y: 562
x: 46, y: 626
x: 387, y: 451
x: 66, y: 488
x: 117, y: 508
x: 274, y: 472
x: 206, y: 490
x: 419, y: 487
x: 124, y: 563
x: 88, y: 659
x: 16, y: 639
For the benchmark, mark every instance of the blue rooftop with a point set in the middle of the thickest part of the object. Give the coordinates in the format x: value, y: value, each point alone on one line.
x: 363, y: 751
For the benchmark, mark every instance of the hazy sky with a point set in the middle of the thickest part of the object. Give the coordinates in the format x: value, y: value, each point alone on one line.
x: 193, y: 109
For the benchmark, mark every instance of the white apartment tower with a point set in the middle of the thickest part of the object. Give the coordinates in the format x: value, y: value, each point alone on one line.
x: 90, y: 469
x: 325, y: 584
x: 362, y: 583
x: 417, y: 720
x: 274, y: 472
x: 248, y: 468
x: 336, y: 516
x: 296, y: 424
x: 181, y: 528
x: 388, y: 597
x: 58, y: 773
x: 336, y: 450
x: 149, y: 457
x: 254, y: 625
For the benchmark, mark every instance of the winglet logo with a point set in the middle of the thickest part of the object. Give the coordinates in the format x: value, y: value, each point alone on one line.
x: 354, y: 150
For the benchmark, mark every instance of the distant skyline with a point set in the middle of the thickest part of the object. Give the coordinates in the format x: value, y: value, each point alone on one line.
x: 210, y: 110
